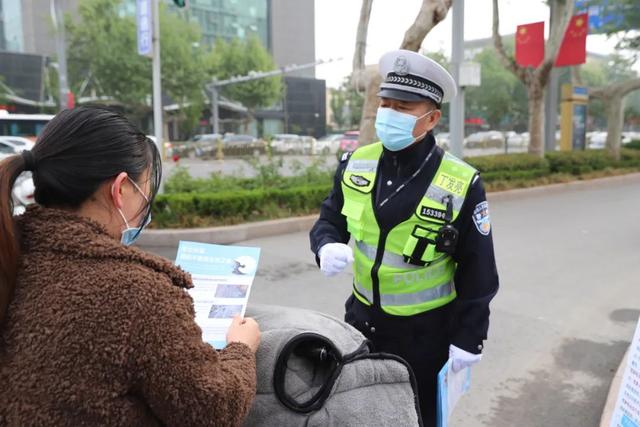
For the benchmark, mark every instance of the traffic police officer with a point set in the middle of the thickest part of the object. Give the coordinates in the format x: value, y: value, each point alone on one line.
x: 424, y: 266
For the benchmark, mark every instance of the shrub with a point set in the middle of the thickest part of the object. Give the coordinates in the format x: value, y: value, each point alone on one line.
x: 579, y: 162
x: 508, y: 167
x: 635, y: 145
x: 198, y: 209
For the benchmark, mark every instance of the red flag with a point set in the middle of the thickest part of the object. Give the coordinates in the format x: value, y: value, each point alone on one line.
x: 530, y: 44
x: 71, y: 100
x: 573, y: 50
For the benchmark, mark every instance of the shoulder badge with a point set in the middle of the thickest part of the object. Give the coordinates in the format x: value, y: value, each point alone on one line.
x: 481, y: 218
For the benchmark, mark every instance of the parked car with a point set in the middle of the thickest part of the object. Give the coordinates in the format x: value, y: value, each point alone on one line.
x: 200, y: 145
x: 442, y: 139
x: 349, y: 141
x: 242, y: 145
x: 287, y: 143
x: 19, y: 144
x: 597, y: 141
x: 329, y: 144
x: 628, y: 137
x: 515, y: 140
x: 308, y: 144
x: 486, y: 139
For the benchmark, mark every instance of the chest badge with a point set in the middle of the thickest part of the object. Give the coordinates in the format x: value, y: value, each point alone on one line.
x: 359, y: 180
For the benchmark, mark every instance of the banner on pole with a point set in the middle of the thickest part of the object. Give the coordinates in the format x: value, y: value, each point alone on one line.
x: 144, y: 27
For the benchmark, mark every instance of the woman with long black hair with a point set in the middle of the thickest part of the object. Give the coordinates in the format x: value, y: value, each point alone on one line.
x: 92, y: 331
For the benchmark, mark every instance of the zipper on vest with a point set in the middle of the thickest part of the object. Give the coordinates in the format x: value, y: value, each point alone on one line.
x: 375, y: 280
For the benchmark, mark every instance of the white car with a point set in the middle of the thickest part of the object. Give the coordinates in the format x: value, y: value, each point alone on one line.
x: 515, y: 140
x: 628, y: 137
x: 598, y: 140
x: 491, y: 138
x: 443, y: 140
x: 288, y: 143
x: 18, y: 143
x: 329, y: 144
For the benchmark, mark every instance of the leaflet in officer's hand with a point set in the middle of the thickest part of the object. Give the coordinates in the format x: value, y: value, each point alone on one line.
x: 222, y: 279
x: 451, y: 387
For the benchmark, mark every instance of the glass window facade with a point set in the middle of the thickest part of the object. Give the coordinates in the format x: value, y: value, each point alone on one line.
x: 229, y: 19
x: 11, y: 37
x: 226, y: 19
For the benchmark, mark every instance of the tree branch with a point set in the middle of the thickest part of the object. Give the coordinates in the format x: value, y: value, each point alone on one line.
x: 615, y: 89
x: 431, y: 13
x: 509, y: 62
x: 558, y: 27
x: 361, y: 37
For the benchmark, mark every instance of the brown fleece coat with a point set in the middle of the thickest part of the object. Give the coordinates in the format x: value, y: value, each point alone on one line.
x: 101, y: 334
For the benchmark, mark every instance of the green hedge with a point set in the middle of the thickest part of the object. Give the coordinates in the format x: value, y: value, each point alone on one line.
x: 633, y: 145
x: 506, y: 167
x: 227, y: 200
x: 512, y: 167
x: 202, y: 209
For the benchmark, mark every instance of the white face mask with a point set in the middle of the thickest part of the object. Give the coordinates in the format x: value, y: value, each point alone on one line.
x: 131, y: 234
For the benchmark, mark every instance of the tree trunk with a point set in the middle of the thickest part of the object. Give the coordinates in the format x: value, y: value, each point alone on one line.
x: 370, y: 108
x: 536, y: 119
x: 613, y: 96
x: 431, y: 13
x: 615, y: 121
x: 361, y: 36
x: 536, y: 79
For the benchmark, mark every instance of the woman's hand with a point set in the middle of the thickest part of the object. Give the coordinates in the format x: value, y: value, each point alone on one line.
x: 245, y: 331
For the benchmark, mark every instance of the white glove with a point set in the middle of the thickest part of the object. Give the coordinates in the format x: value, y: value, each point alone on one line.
x: 334, y: 257
x: 461, y: 359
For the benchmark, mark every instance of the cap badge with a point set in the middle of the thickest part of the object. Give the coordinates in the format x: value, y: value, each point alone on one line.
x: 401, y: 66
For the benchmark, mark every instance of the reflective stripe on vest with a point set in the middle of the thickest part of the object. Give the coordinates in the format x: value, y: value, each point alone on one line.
x: 405, y: 288
x: 395, y: 300
x: 388, y: 258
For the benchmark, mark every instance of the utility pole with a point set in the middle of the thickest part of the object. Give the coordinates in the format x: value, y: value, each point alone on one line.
x: 551, y: 97
x: 57, y: 15
x: 456, y: 112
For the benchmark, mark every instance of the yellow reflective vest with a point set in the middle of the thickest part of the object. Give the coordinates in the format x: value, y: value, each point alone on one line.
x: 403, y: 272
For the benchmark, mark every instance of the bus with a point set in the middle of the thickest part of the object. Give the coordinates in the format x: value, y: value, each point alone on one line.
x: 24, y: 125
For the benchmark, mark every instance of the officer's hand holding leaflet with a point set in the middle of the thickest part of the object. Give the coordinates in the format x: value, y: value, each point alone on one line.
x: 334, y: 257
x: 461, y: 359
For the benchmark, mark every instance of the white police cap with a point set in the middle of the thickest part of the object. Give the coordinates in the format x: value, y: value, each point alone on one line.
x: 410, y: 76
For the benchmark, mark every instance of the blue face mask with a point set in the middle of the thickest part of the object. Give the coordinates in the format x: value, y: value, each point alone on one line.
x: 131, y: 234
x: 395, y: 129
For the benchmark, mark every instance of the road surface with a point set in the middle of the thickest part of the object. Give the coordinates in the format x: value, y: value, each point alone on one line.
x: 569, y: 262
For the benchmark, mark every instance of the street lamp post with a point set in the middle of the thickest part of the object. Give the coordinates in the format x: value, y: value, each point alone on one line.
x: 215, y: 85
x: 456, y: 113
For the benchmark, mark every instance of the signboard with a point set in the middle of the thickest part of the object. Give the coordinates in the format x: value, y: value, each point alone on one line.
x: 626, y: 413
x: 470, y: 74
x: 144, y: 27
x: 604, y: 15
x: 579, y: 134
